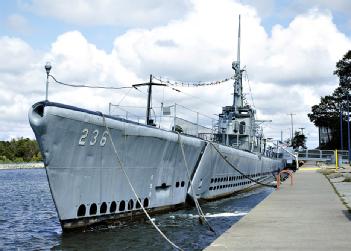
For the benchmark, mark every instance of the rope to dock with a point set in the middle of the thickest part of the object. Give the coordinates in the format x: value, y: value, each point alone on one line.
x: 236, y: 169
x: 132, y: 188
x: 202, y: 217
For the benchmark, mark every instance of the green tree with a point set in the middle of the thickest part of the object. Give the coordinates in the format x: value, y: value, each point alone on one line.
x: 299, y: 140
x: 327, y: 112
x: 19, y: 150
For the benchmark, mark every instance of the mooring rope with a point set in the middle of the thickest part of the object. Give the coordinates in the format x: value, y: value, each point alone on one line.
x: 132, y: 188
x: 236, y: 169
x: 202, y: 217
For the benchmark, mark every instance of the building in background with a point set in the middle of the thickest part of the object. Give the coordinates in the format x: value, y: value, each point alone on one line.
x: 325, y: 136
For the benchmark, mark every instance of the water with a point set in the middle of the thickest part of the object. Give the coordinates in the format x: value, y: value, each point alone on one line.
x: 28, y: 220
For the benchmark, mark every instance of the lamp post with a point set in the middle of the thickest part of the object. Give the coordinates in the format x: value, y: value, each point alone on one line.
x: 348, y: 127
x: 341, y: 136
x: 292, y: 125
x: 47, y: 69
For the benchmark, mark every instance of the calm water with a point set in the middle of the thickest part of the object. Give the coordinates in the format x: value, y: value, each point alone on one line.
x: 28, y: 220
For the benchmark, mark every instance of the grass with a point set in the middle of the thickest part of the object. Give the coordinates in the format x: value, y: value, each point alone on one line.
x: 326, y: 171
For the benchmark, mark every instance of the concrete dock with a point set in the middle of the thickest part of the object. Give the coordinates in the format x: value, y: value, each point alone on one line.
x: 306, y: 216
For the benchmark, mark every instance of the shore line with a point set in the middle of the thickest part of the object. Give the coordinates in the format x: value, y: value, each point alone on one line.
x: 30, y: 165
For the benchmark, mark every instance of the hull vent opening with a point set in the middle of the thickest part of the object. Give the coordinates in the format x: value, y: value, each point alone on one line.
x: 81, y: 211
x: 146, y: 202
x: 122, y: 206
x: 103, y: 208
x: 113, y: 207
x: 137, y: 205
x: 130, y: 204
x: 93, y: 209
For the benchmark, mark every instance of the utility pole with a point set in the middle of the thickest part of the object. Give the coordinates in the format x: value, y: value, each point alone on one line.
x: 292, y: 125
x: 149, y: 97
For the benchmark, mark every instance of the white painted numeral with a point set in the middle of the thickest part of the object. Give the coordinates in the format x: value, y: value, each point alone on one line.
x: 82, y: 139
x: 103, y: 138
x: 95, y: 135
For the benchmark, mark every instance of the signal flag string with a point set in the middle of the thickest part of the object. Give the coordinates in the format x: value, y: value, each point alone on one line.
x: 192, y: 84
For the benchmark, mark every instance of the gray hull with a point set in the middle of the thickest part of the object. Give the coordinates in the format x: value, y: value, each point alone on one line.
x: 214, y: 178
x: 88, y: 185
x: 85, y: 178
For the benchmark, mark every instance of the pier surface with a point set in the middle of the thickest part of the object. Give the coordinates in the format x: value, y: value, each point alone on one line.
x: 306, y: 216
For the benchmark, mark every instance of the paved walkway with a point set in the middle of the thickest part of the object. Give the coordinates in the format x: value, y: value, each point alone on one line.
x: 306, y: 216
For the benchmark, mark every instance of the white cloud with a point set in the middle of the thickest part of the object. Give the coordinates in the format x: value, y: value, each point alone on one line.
x: 284, y: 68
x: 305, y: 52
x: 15, y: 55
x: 141, y: 13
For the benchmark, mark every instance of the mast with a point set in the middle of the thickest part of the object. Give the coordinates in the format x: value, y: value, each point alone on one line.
x: 149, y: 97
x: 237, y: 97
x: 238, y: 51
x: 148, y: 106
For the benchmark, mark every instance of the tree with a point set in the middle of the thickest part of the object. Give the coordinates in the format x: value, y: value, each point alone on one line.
x: 343, y: 70
x: 299, y: 140
x: 19, y: 150
x: 327, y: 112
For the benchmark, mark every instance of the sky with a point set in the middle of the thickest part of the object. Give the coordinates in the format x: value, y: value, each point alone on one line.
x: 288, y: 48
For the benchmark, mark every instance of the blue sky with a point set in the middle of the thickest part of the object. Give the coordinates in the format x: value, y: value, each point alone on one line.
x: 41, y: 30
x: 289, y: 48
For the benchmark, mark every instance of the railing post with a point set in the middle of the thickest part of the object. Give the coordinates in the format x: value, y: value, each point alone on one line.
x: 297, y: 161
x: 197, y: 124
x: 336, y: 159
x: 174, y: 122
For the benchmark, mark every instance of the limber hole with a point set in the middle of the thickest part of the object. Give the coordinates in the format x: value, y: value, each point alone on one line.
x: 81, y: 211
x: 93, y: 209
x: 103, y: 208
x: 113, y: 207
x: 130, y: 204
x: 122, y: 205
x: 146, y: 202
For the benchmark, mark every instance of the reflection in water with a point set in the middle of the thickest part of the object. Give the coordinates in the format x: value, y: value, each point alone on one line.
x: 28, y: 220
